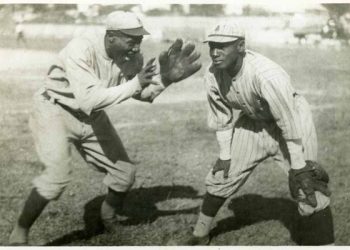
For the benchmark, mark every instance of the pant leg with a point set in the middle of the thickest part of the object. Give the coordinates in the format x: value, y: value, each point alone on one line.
x: 52, y: 146
x: 247, y: 151
x: 103, y: 148
x: 309, y: 141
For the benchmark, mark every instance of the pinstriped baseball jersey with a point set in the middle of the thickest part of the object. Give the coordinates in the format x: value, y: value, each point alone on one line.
x: 90, y: 79
x: 261, y: 89
x: 270, y: 118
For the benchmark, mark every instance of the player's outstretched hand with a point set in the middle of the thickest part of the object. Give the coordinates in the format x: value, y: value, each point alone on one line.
x: 179, y: 62
x: 222, y: 165
x: 146, y: 74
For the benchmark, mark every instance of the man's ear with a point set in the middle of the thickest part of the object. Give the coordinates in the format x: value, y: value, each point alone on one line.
x: 111, y: 39
x: 241, y: 46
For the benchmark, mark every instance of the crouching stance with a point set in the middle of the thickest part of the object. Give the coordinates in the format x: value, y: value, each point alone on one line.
x: 93, y: 72
x: 274, y: 121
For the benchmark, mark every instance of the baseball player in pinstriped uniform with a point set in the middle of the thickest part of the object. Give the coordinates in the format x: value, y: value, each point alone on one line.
x: 93, y: 72
x: 274, y: 121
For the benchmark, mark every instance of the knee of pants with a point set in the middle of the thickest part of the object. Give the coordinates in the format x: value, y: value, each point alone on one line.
x: 122, y: 177
x: 307, y: 210
x: 217, y: 185
x: 51, y: 186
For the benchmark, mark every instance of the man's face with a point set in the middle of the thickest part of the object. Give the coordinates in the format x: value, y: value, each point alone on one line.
x: 224, y: 55
x: 122, y: 46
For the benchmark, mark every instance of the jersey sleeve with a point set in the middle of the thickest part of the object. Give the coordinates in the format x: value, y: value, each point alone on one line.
x: 86, y: 86
x: 220, y: 114
x: 279, y: 94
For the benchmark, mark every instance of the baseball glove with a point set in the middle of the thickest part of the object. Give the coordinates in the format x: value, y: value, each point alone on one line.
x: 222, y: 165
x: 308, y: 179
x: 179, y: 62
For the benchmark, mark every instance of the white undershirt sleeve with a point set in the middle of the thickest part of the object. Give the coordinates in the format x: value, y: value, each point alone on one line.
x: 295, y: 149
x: 224, y: 138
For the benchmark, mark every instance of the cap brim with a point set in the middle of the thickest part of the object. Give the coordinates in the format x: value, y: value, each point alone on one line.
x: 135, y: 32
x: 220, y: 39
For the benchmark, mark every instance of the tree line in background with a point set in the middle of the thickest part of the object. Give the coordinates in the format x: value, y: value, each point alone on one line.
x: 65, y: 11
x: 70, y: 13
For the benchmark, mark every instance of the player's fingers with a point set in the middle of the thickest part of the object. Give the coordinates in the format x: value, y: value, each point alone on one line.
x: 163, y: 59
x: 150, y: 74
x: 294, y: 192
x: 311, y: 200
x: 321, y: 175
x: 191, y: 69
x: 153, y: 82
x: 188, y: 49
x: 150, y: 68
x: 175, y: 47
x: 194, y: 57
x: 150, y: 62
x: 310, y: 197
x: 322, y: 187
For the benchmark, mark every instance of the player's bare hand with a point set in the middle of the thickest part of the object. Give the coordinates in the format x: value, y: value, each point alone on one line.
x: 179, y: 62
x: 222, y: 165
x: 146, y: 74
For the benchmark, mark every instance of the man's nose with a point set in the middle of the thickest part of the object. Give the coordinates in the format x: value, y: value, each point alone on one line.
x: 214, y: 52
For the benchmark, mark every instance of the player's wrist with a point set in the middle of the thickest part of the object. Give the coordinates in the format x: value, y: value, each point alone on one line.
x: 224, y: 156
x: 298, y: 166
x: 224, y: 139
x: 295, y: 149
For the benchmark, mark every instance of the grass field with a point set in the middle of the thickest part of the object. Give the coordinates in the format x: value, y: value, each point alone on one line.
x: 174, y: 150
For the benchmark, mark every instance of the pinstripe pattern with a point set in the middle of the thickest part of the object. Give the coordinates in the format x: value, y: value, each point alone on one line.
x: 270, y: 114
x: 262, y: 90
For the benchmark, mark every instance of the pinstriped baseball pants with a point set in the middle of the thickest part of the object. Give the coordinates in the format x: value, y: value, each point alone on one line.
x: 254, y: 141
x: 56, y: 131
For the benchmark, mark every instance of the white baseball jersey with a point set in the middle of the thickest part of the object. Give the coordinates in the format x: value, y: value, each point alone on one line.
x: 83, y: 81
x: 85, y: 78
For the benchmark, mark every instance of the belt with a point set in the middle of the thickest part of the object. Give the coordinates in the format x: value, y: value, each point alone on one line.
x: 77, y: 113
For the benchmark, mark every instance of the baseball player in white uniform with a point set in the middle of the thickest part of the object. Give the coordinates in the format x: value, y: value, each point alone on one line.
x: 93, y: 72
x: 274, y: 121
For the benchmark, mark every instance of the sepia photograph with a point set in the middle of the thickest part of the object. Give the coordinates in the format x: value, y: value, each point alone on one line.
x: 174, y: 123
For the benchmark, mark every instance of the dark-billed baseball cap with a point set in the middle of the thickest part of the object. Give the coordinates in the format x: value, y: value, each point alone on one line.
x: 126, y: 22
x: 224, y: 32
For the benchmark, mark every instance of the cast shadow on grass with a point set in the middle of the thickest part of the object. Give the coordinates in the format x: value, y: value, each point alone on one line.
x: 250, y: 209
x: 140, y: 208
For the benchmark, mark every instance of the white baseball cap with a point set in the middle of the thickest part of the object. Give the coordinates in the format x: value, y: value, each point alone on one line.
x: 127, y: 22
x: 225, y: 32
